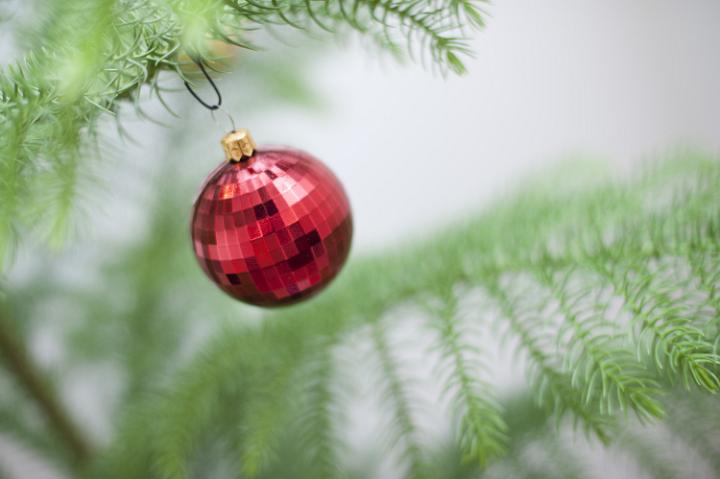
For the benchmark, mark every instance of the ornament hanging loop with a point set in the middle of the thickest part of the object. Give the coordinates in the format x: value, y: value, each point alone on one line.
x: 232, y: 120
x: 210, y: 107
x: 215, y: 107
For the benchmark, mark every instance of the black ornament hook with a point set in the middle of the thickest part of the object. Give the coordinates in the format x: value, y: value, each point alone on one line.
x: 200, y: 65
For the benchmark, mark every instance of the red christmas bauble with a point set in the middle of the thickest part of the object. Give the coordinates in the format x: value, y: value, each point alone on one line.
x: 271, y: 226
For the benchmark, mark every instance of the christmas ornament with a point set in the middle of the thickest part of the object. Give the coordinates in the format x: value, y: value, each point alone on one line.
x: 271, y: 226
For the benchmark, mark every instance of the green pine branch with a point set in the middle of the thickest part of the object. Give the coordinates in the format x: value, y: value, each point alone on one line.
x: 611, y: 294
x: 602, y: 365
x: 395, y: 392
x: 482, y: 429
x: 578, y: 287
x: 318, y: 412
x: 666, y: 332
x: 27, y: 375
x: 556, y: 388
x: 90, y: 56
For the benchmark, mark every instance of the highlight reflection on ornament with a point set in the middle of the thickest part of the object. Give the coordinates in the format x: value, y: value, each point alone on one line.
x: 270, y: 226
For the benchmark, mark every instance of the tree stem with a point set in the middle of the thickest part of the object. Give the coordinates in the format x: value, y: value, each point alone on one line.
x: 26, y: 373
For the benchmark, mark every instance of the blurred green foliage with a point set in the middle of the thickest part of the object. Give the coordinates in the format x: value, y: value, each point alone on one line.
x: 202, y: 387
x: 607, y: 293
x: 84, y: 58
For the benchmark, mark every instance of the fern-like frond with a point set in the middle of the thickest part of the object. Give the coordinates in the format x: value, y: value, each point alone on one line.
x: 318, y: 418
x: 403, y: 430
x: 606, y: 294
x: 597, y: 356
x: 556, y: 388
x: 292, y: 398
x: 91, y: 55
x: 437, y: 26
x: 666, y: 332
x: 178, y: 421
x: 482, y: 430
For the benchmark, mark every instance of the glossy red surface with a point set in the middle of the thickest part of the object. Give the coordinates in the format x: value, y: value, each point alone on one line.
x: 274, y: 229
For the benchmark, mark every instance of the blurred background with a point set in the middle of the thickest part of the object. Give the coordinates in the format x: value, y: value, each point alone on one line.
x: 551, y: 83
x: 614, y: 81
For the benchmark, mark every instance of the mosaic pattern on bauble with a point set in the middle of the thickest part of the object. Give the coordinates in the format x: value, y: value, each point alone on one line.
x: 273, y: 229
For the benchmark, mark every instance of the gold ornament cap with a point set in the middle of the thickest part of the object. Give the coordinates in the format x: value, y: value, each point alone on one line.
x: 238, y: 145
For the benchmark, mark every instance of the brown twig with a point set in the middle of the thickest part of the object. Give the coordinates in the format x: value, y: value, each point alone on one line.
x: 26, y: 373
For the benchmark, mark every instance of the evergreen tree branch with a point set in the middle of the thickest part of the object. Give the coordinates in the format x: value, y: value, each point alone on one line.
x: 295, y: 405
x: 395, y: 393
x: 97, y: 54
x: 317, y: 418
x: 482, y: 433
x: 671, y: 340
x: 182, y: 418
x: 14, y: 425
x: 264, y: 420
x: 555, y: 388
x: 607, y: 371
x: 706, y: 270
x: 27, y: 375
x: 537, y: 243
